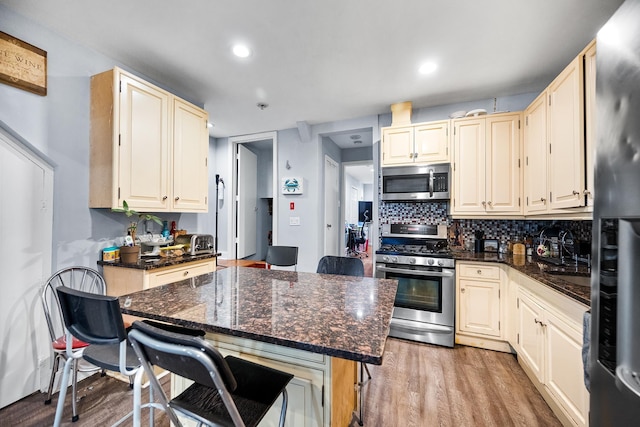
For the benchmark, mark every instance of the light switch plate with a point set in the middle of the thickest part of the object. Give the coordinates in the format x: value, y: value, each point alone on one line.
x: 294, y: 220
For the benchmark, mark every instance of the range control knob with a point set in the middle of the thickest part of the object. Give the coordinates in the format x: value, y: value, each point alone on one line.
x: 385, y: 258
x: 394, y: 259
x: 412, y: 260
x: 430, y: 261
x: 440, y: 262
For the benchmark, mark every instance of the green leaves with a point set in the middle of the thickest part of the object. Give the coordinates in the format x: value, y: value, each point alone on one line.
x: 130, y: 212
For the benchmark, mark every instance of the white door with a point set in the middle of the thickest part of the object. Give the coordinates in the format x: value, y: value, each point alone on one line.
x: 332, y: 230
x: 247, y: 202
x: 352, y: 210
x: 26, y: 191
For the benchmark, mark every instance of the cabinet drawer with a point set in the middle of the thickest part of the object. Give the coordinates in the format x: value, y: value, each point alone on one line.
x: 478, y: 271
x: 180, y: 273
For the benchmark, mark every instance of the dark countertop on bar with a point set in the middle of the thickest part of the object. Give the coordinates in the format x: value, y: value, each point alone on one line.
x: 539, y: 271
x: 152, y: 263
x: 340, y: 316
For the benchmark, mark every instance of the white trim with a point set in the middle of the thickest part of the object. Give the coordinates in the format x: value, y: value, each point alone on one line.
x: 231, y: 208
x: 338, y: 228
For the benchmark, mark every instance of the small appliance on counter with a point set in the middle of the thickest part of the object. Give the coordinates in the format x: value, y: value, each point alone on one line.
x: 196, y: 244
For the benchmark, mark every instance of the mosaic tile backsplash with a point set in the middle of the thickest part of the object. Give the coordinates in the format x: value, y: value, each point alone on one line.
x: 503, y: 230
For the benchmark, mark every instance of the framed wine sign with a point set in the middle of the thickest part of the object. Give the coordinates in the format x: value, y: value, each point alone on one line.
x: 23, y: 65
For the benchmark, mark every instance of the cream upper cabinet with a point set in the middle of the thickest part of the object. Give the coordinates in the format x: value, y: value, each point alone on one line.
x: 190, y: 171
x: 590, y: 117
x: 148, y: 147
x: 487, y: 165
x: 535, y: 155
x: 469, y: 167
x: 566, y: 138
x: 422, y: 143
x: 558, y: 167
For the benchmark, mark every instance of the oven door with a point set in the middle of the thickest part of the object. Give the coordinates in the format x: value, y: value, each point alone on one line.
x: 425, y: 294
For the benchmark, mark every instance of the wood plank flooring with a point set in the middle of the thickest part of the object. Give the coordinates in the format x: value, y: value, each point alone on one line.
x: 416, y: 385
x: 425, y: 385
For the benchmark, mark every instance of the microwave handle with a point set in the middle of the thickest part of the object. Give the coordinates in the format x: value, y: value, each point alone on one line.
x: 431, y: 182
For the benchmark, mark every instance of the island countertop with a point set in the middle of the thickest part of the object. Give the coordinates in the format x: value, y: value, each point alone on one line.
x: 340, y: 316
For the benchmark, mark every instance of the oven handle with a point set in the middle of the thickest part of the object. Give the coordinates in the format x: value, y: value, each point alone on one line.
x: 443, y: 273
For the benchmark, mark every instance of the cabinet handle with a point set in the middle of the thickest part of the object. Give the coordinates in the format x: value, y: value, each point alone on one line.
x: 165, y: 198
x: 411, y: 155
x: 543, y: 200
x: 576, y: 193
x: 484, y: 204
x: 462, y: 290
x: 479, y: 271
x: 587, y: 193
x: 186, y: 273
x: 489, y: 202
x: 544, y: 325
x: 415, y: 155
x: 177, y: 198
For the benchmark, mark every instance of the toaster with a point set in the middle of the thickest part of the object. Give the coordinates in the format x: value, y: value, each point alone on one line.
x: 196, y: 244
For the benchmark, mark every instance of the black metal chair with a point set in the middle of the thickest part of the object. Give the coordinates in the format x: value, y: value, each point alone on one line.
x: 346, y: 266
x: 81, y: 278
x: 282, y: 256
x: 227, y: 391
x: 96, y: 320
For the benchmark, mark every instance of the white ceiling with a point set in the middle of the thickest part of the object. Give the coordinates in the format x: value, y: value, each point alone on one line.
x: 322, y: 61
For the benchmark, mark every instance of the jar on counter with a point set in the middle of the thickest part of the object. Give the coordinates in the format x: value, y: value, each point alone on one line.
x: 111, y: 254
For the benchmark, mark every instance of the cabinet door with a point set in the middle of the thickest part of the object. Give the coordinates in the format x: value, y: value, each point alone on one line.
x: 535, y: 155
x: 566, y: 138
x: 431, y: 142
x: 479, y: 307
x: 564, y: 374
x: 590, y: 117
x: 190, y: 152
x: 144, y: 146
x: 503, y: 164
x: 531, y: 334
x: 469, y: 166
x: 397, y: 146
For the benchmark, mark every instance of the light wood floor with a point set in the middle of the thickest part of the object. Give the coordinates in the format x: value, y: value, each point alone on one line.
x: 416, y: 385
x: 424, y: 385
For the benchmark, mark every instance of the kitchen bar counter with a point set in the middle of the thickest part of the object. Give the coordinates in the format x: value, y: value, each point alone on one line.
x: 146, y: 263
x: 538, y: 271
x: 340, y: 316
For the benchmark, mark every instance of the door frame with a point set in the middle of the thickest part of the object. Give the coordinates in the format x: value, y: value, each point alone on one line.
x: 338, y: 229
x: 231, y: 208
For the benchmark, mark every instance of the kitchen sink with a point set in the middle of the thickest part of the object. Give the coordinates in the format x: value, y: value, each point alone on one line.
x: 576, y: 280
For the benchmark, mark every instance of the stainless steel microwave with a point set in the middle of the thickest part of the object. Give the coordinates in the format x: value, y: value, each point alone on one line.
x: 420, y: 183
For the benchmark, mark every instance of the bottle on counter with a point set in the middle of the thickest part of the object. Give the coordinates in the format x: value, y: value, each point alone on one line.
x: 173, y: 230
x: 165, y: 229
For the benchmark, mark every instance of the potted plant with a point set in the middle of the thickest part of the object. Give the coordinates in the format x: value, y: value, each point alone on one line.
x: 131, y: 253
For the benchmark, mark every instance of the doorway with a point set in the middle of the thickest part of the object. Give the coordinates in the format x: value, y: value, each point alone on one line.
x: 254, y: 221
x: 358, y: 179
x: 26, y: 189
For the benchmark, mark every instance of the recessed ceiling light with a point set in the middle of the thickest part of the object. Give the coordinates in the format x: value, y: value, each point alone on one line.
x: 357, y: 142
x: 427, y: 68
x: 241, y: 51
x: 355, y: 137
x: 262, y: 105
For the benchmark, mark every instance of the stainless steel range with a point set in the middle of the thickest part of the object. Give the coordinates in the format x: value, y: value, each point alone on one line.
x: 418, y: 256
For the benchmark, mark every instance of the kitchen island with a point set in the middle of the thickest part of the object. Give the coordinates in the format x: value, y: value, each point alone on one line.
x: 315, y: 326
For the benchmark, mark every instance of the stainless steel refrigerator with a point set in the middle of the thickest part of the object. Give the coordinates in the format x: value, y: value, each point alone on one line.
x: 615, y: 301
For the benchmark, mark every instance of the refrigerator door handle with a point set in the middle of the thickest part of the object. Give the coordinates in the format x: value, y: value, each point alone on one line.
x: 627, y: 381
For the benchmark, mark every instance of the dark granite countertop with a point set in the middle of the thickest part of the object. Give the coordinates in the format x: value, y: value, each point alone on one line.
x: 539, y: 271
x: 152, y: 263
x: 340, y: 316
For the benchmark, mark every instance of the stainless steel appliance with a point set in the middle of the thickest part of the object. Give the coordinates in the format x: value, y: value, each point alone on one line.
x: 615, y: 274
x: 418, y: 257
x: 430, y: 182
x: 196, y: 244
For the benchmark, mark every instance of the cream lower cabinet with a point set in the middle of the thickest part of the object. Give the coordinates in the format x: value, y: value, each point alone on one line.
x: 549, y: 347
x: 487, y: 173
x: 123, y: 280
x: 320, y: 394
x: 148, y: 147
x: 479, y: 308
x: 421, y: 143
